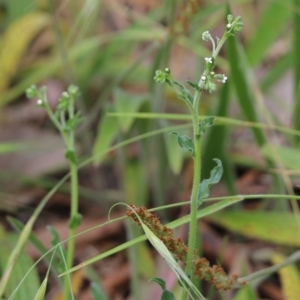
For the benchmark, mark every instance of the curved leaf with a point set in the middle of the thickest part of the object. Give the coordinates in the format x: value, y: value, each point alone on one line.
x: 15, y: 43
x: 215, y: 176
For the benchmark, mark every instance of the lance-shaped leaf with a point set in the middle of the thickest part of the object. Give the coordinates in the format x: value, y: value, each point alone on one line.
x: 184, y: 93
x: 207, y: 122
x: 185, y: 142
x: 166, y: 295
x: 194, y: 85
x: 215, y: 176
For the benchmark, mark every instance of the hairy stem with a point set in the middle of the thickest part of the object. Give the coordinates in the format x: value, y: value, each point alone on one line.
x: 193, y: 232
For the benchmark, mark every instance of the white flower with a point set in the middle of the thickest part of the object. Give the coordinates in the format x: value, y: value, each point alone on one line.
x: 221, y: 77
x: 39, y: 102
x: 224, y: 79
x: 208, y: 59
x: 228, y: 25
x: 203, y: 78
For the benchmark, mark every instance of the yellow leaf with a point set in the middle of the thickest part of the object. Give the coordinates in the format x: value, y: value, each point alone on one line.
x: 289, y: 277
x: 15, y: 43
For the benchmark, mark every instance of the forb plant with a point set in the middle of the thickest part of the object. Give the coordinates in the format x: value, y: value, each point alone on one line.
x: 65, y: 120
x: 200, y: 189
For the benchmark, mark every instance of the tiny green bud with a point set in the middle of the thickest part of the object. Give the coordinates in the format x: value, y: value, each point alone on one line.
x: 238, y: 24
x: 65, y: 95
x: 221, y: 77
x: 161, y: 77
x: 73, y: 90
x: 211, y: 87
x: 230, y: 18
x: 32, y: 92
x: 206, y: 36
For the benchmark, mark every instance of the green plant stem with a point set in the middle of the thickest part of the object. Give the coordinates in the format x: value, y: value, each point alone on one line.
x: 72, y: 232
x: 193, y: 232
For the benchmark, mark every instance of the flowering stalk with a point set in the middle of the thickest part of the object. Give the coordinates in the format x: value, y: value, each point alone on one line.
x: 200, y: 190
x: 66, y: 121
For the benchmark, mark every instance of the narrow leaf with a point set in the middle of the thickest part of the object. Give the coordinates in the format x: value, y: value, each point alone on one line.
x: 241, y: 82
x: 107, y: 131
x: 127, y: 103
x: 15, y: 43
x: 296, y: 65
x: 96, y: 291
x: 185, y: 142
x: 215, y: 176
x: 272, y: 23
x: 167, y: 295
x: 175, y: 155
x: 40, y: 295
x: 159, y: 281
x: 289, y: 277
x: 165, y: 253
x: 275, y: 227
x: 289, y: 156
x: 207, y: 122
x: 194, y: 85
x: 185, y: 94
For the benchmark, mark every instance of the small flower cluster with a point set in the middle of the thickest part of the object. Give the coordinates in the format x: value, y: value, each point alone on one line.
x: 235, y: 25
x: 215, y: 275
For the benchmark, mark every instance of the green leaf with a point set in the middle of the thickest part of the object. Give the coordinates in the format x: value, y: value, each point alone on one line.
x: 175, y: 155
x: 107, y: 131
x: 75, y: 221
x: 16, y: 9
x: 275, y: 227
x: 296, y: 66
x: 289, y: 157
x: 245, y: 293
x: 184, y: 93
x: 31, y: 282
x: 272, y: 24
x: 185, y: 142
x: 128, y: 103
x: 208, y: 122
x: 240, y: 78
x: 194, y: 85
x: 96, y: 291
x: 71, y: 155
x: 74, y: 122
x: 16, y: 41
x: 60, y: 265
x: 167, y: 295
x: 215, y: 176
x: 166, y: 254
x: 159, y: 281
x: 40, y: 295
